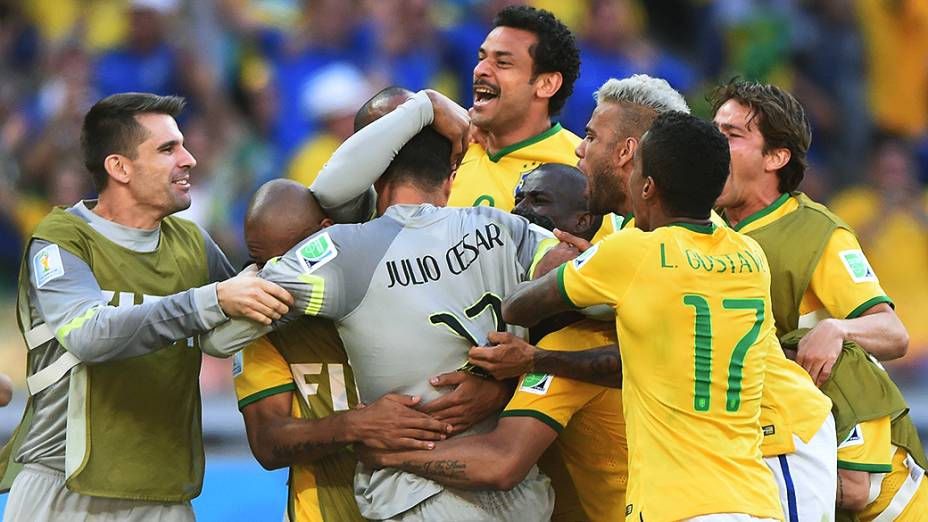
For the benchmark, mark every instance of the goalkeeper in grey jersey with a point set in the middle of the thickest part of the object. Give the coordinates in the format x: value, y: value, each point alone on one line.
x: 411, y: 292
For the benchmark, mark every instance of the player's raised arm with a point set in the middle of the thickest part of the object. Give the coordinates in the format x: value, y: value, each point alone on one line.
x: 344, y: 184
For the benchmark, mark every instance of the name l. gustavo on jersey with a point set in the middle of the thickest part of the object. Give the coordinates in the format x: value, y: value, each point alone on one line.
x: 460, y: 256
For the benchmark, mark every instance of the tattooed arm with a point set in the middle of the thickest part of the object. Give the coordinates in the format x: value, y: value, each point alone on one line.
x: 278, y: 439
x: 499, y: 459
x: 510, y: 356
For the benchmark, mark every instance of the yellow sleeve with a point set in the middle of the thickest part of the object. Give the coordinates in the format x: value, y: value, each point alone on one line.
x: 552, y: 400
x: 844, y: 282
x: 594, y: 277
x: 260, y: 371
x: 868, y: 447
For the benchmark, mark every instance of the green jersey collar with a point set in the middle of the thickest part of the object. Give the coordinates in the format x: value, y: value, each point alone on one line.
x: 524, y: 143
x: 763, y: 212
x: 701, y: 229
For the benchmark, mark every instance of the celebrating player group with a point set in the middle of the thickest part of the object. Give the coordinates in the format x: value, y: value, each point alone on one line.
x: 475, y: 315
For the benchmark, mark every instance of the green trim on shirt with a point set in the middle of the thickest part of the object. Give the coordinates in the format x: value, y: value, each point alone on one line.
x: 763, y: 212
x: 869, y: 468
x: 869, y: 303
x: 701, y: 229
x: 255, y: 397
x: 524, y: 143
x: 560, y: 285
x: 535, y: 414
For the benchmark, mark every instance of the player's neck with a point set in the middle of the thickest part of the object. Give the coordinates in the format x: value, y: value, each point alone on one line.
x: 753, y: 202
x: 498, y: 140
x: 411, y: 195
x: 126, y: 213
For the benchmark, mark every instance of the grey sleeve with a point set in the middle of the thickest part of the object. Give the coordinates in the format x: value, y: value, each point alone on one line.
x: 78, y: 312
x: 343, y: 187
x: 327, y: 274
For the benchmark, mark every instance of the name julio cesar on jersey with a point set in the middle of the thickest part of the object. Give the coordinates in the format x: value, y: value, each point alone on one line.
x: 460, y: 256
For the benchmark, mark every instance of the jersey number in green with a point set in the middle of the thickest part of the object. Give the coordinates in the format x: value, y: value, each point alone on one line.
x: 703, y: 346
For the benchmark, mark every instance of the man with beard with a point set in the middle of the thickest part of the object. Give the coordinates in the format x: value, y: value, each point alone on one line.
x: 573, y: 429
x: 692, y: 393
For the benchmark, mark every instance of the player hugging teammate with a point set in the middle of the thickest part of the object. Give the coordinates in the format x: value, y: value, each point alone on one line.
x: 663, y: 328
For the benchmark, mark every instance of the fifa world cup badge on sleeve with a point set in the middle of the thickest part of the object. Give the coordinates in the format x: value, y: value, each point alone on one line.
x: 316, y: 252
x: 858, y: 266
x: 46, y: 265
x: 536, y: 383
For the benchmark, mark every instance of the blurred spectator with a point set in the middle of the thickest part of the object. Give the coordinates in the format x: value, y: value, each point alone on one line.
x: 462, y: 40
x: 399, y: 54
x: 331, y: 99
x: 147, y: 62
x: 829, y: 79
x: 614, y: 45
x: 896, y: 34
x: 329, y: 32
x: 890, y: 215
x: 98, y: 24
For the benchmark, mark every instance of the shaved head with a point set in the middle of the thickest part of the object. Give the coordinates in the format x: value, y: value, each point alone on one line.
x: 281, y: 214
x: 380, y: 104
x: 555, y: 196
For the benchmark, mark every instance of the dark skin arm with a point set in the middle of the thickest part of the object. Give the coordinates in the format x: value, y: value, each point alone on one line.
x: 510, y: 356
x: 278, y: 439
x: 497, y: 460
x: 534, y: 300
x: 472, y: 400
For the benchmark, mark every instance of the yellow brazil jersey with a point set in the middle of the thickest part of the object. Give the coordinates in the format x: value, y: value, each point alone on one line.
x: 316, y: 372
x: 843, y: 284
x: 589, y: 460
x: 868, y: 447
x: 492, y: 179
x: 693, y: 314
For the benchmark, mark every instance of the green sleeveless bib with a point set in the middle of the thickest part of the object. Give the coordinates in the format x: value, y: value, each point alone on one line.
x: 133, y: 428
x: 858, y: 388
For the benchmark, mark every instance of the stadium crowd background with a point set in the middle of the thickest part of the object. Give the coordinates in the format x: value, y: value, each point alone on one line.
x: 273, y: 86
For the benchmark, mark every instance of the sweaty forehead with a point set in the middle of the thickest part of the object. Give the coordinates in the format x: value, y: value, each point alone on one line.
x: 509, y: 40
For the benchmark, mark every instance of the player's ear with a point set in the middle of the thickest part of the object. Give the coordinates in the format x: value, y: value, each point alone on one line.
x: 625, y: 152
x: 118, y: 167
x: 648, y: 189
x: 776, y: 159
x: 547, y: 84
x: 326, y: 223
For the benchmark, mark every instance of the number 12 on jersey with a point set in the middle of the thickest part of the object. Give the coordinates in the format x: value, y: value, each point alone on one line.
x: 703, y: 349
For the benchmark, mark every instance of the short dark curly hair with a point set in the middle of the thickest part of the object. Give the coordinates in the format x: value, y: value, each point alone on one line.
x: 781, y: 121
x: 688, y: 158
x: 556, y: 50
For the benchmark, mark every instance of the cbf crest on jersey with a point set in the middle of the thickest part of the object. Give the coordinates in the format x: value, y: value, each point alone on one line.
x: 317, y: 252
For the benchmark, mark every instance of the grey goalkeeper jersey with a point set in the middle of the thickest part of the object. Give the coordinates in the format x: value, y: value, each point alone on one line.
x: 410, y: 292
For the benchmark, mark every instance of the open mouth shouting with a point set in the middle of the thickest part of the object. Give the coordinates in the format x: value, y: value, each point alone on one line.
x: 484, y: 94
